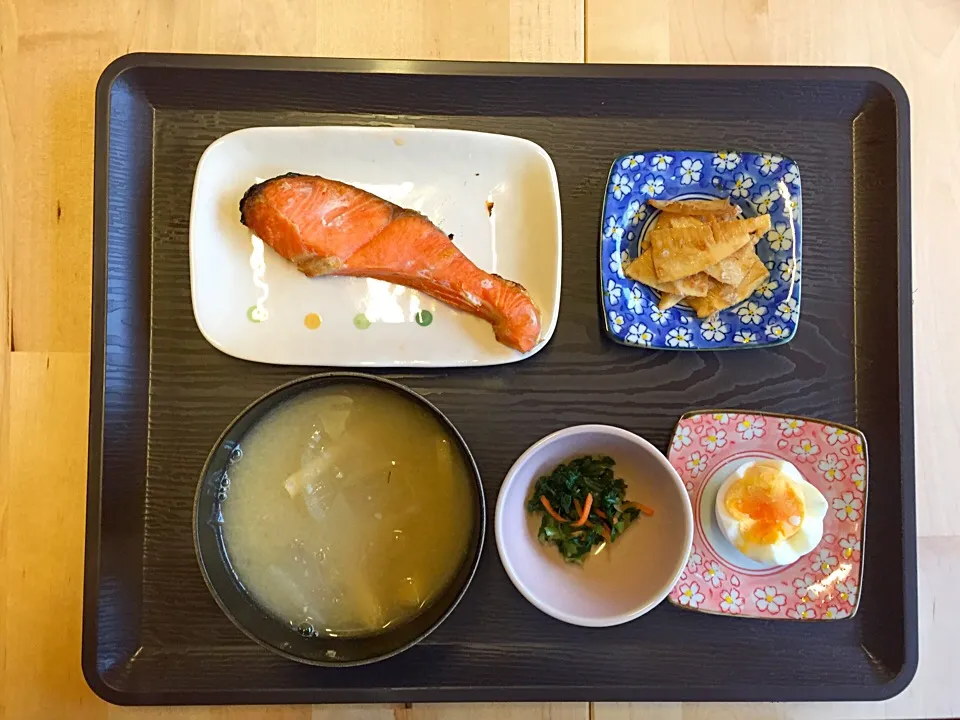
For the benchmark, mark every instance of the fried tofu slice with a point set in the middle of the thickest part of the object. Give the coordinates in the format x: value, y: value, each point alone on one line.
x: 671, y: 293
x: 718, y: 207
x: 700, y: 251
x: 714, y: 302
x: 668, y: 300
x: 693, y: 286
x: 679, y: 221
x: 757, y: 225
x: 642, y: 270
x: 684, y: 251
x: 720, y: 297
x: 731, y: 270
x: 668, y: 221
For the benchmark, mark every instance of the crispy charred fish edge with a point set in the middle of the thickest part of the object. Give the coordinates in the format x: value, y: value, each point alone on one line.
x: 254, y: 190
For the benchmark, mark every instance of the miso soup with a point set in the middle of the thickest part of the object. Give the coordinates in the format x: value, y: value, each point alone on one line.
x: 349, y: 509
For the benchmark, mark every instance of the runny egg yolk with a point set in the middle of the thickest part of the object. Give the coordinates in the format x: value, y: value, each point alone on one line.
x: 767, y: 505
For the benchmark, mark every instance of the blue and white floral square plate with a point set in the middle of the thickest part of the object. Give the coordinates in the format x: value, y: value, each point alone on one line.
x: 758, y: 183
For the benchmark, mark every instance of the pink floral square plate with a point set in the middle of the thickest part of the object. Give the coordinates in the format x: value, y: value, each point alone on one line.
x: 822, y: 585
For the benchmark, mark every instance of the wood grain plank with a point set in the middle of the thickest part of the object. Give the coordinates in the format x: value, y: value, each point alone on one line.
x: 251, y: 712
x: 451, y: 30
x: 608, y: 39
x: 501, y: 711
x: 260, y: 712
x: 42, y: 577
x: 358, y: 712
x: 443, y: 29
x: 547, y: 31
x: 8, y: 44
x: 286, y: 27
x: 6, y: 470
x: 8, y: 39
x: 54, y: 63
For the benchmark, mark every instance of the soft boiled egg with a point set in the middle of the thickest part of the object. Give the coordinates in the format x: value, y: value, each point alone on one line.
x: 770, y: 513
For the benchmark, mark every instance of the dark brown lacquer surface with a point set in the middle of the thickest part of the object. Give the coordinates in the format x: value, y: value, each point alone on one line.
x: 161, y: 395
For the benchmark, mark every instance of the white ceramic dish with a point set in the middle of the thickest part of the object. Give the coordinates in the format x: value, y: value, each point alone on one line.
x: 251, y: 303
x: 631, y: 576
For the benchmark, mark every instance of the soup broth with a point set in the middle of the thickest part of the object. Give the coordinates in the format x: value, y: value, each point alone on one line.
x: 350, y: 509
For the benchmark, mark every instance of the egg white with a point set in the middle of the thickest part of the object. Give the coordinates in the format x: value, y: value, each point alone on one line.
x: 788, y: 550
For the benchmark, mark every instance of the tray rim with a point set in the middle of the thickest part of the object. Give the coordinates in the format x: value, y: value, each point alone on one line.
x: 128, y: 62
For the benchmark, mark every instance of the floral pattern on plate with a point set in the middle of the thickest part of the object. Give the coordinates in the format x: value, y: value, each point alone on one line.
x: 822, y: 585
x: 758, y: 183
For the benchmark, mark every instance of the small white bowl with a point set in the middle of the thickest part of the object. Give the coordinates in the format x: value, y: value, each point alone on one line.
x: 630, y: 576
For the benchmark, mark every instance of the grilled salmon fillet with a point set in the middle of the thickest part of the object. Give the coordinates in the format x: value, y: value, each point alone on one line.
x: 327, y: 227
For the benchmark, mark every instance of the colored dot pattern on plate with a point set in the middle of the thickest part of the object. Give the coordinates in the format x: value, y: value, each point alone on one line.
x: 256, y: 314
x: 312, y: 321
x: 361, y: 321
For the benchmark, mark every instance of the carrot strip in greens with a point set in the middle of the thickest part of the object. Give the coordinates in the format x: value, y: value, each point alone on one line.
x: 585, y: 513
x: 549, y: 508
x: 641, y: 507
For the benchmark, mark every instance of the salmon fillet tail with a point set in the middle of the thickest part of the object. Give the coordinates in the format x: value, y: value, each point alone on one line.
x: 331, y: 228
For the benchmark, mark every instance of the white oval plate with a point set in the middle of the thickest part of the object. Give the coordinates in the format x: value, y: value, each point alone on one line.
x: 251, y: 303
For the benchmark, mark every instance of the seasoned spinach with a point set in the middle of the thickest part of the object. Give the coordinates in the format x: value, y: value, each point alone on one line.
x: 562, y: 498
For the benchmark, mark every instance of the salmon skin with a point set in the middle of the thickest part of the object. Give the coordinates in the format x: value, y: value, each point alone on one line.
x: 327, y: 227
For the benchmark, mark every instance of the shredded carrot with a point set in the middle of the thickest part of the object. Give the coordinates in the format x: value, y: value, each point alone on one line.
x: 585, y: 513
x: 606, y: 533
x: 640, y: 506
x: 549, y: 508
x: 579, y: 509
x: 600, y: 513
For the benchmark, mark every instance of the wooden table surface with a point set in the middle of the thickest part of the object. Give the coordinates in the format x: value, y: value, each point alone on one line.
x: 51, y: 53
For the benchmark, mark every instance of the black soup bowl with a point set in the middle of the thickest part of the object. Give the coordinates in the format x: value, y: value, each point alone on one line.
x: 304, y: 644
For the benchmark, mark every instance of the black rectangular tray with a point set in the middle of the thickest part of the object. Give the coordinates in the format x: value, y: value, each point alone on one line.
x: 160, y: 394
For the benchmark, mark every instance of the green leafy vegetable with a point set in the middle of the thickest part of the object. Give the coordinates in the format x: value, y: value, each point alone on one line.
x: 565, y: 491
